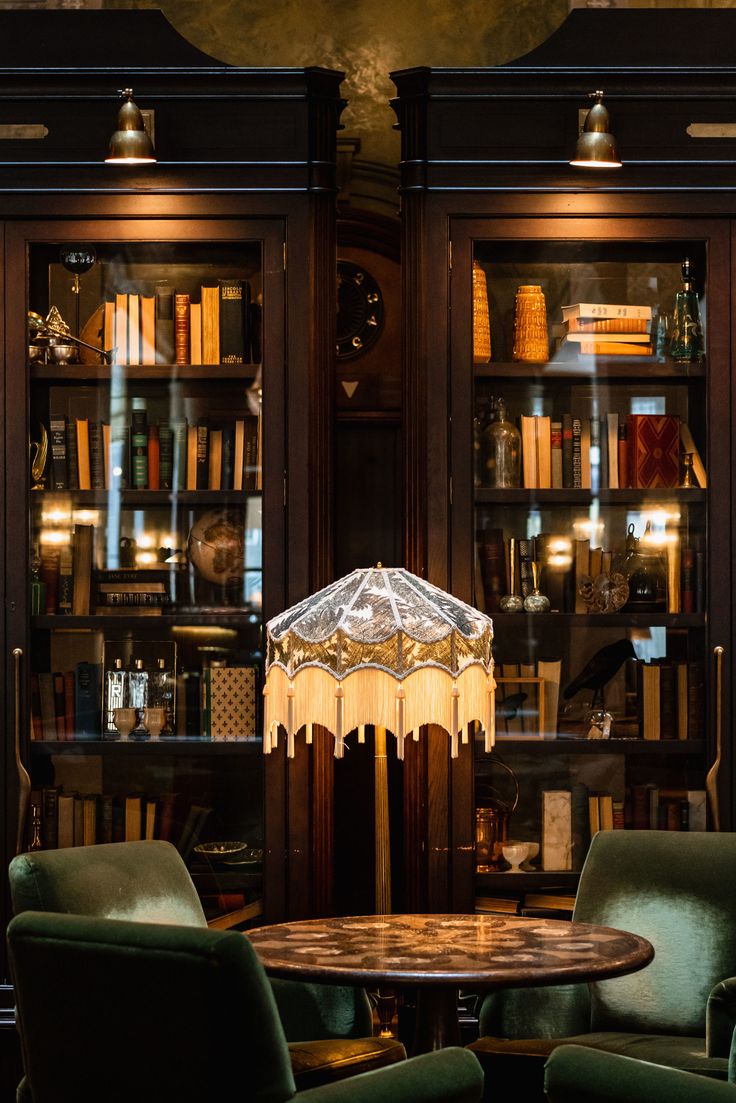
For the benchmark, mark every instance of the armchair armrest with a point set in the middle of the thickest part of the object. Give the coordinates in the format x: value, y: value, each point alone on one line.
x: 720, y: 1019
x: 447, y: 1076
x: 579, y: 1074
x: 553, y: 1012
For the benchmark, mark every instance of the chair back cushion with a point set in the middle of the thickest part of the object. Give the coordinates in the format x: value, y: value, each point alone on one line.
x: 147, y: 1012
x: 143, y: 881
x: 677, y: 889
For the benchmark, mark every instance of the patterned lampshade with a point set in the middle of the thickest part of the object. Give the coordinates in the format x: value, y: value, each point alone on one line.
x: 379, y: 646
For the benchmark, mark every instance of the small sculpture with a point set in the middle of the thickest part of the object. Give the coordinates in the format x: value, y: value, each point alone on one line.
x: 39, y: 455
x: 597, y: 673
x: 604, y: 593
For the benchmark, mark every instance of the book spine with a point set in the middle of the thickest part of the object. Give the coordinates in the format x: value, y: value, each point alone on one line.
x: 139, y: 449
x: 233, y: 313
x: 49, y: 814
x: 556, y: 454
x: 577, y: 456
x: 49, y: 574
x: 250, y: 454
x: 596, y: 480
x: 594, y: 311
x: 57, y: 427
x: 66, y: 581
x: 179, y: 456
x: 36, y: 721
x: 604, y: 463
x: 60, y: 707
x: 567, y: 472
x: 69, y: 712
x: 166, y: 457
x: 164, y: 324
x: 96, y: 456
x: 181, y: 328
x: 699, y: 581
x: 623, y: 455
x: 688, y: 580
x: 83, y: 457
x: 154, y: 457
x: 203, y: 458
x: 526, y: 581
x: 72, y: 462
x: 228, y: 457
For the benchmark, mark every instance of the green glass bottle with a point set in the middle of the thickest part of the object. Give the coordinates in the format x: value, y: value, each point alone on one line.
x: 686, y: 344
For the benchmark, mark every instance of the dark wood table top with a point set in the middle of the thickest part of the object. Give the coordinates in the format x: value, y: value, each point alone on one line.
x: 496, y: 951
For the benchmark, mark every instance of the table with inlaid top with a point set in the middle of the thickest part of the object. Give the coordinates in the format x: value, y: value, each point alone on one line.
x: 440, y: 953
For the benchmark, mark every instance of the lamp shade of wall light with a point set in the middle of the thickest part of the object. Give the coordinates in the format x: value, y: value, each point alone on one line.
x: 130, y: 143
x: 596, y: 146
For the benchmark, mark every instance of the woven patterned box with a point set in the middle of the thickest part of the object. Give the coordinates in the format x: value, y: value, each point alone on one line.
x: 654, y: 450
x: 232, y: 702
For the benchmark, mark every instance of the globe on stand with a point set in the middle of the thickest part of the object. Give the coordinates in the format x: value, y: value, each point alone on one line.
x: 216, y: 548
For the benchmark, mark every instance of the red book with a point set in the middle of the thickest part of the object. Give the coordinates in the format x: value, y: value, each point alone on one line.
x: 181, y: 328
x: 654, y: 450
x: 154, y: 457
x: 36, y: 724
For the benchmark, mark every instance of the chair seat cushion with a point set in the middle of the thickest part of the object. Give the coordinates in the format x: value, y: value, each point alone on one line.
x: 324, y: 1061
x: 518, y: 1064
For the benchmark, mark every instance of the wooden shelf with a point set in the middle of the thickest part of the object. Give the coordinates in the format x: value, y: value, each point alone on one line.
x: 156, y: 747
x: 526, y: 882
x: 226, y: 617
x: 628, y: 496
x: 602, y: 620
x: 562, y: 746
x: 153, y: 373
x: 137, y: 498
x: 602, y: 367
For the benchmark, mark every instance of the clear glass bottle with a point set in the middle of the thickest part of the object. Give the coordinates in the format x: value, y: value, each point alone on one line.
x: 161, y: 683
x: 115, y: 697
x: 501, y: 450
x: 686, y: 343
x: 138, y: 696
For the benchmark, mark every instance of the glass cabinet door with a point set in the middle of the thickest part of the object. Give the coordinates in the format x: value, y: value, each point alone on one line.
x: 145, y: 548
x: 586, y: 434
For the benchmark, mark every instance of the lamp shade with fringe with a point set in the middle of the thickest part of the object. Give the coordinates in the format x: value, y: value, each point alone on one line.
x: 379, y: 646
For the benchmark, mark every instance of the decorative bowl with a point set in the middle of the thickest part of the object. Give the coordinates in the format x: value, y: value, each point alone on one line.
x: 221, y: 852
x: 61, y: 354
x: 251, y: 856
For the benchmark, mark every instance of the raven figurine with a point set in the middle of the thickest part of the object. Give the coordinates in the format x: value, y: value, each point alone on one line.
x: 601, y: 668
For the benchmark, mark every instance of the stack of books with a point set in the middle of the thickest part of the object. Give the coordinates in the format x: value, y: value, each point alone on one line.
x: 608, y: 329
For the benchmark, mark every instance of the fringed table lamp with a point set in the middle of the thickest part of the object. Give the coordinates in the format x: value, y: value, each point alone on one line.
x: 379, y: 646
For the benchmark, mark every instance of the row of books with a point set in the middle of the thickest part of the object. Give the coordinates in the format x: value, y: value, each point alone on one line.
x: 518, y: 723
x: 83, y: 819
x: 612, y: 452
x: 571, y: 816
x: 89, y: 455
x: 670, y: 699
x: 533, y: 905
x: 607, y: 329
x: 170, y: 326
x: 564, y: 561
x: 217, y: 703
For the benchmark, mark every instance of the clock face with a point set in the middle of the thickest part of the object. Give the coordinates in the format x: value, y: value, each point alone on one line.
x: 359, y: 310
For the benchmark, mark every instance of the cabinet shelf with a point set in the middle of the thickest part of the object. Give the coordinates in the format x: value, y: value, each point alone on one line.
x: 134, y: 498
x: 561, y: 746
x: 226, y: 617
x: 577, y: 496
x: 159, y: 747
x: 524, y: 882
x: 155, y: 373
x: 603, y: 620
x: 608, y: 367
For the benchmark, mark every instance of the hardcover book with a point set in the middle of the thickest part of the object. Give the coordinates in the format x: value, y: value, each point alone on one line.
x: 654, y: 450
x: 234, y: 309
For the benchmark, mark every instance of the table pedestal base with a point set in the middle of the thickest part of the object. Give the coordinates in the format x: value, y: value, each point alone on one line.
x: 436, y: 1019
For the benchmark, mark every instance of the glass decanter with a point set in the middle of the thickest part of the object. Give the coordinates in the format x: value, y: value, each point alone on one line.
x: 501, y: 450
x: 686, y: 343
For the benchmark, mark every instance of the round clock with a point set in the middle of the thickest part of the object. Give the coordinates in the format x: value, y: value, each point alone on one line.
x: 359, y: 310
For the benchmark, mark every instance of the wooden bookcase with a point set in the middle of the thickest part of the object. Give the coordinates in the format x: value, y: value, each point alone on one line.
x: 243, y: 190
x: 486, y: 180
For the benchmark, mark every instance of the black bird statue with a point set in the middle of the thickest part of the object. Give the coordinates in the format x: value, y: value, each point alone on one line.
x: 598, y: 672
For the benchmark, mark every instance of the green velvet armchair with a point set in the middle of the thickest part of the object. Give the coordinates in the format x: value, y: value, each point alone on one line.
x: 578, y: 1074
x: 677, y: 890
x: 329, y: 1028
x: 118, y: 1011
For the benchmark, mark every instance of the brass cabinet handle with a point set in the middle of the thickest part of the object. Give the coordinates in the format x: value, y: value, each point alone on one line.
x: 711, y: 780
x: 24, y: 780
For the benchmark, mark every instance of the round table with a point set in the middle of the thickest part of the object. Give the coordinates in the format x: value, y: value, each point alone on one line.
x: 439, y: 953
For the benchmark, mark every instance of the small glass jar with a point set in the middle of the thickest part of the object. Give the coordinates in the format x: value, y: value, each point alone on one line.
x: 536, y: 602
x: 501, y: 450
